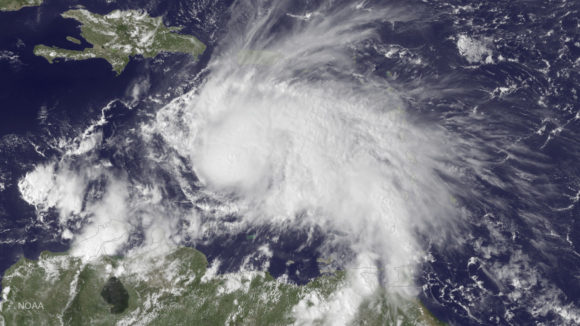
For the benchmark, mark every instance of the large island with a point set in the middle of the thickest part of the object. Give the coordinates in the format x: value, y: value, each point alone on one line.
x: 119, y: 35
x: 14, y: 5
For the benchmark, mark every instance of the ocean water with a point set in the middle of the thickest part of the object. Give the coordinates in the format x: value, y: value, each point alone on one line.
x: 500, y: 78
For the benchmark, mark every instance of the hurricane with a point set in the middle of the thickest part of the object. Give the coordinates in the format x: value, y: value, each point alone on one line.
x: 417, y: 181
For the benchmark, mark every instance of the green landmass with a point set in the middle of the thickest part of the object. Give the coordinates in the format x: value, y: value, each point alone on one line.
x: 119, y: 35
x: 176, y: 289
x: 74, y: 40
x: 378, y: 310
x: 14, y: 5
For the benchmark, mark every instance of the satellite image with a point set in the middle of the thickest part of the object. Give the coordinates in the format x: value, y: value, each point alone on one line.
x: 289, y: 162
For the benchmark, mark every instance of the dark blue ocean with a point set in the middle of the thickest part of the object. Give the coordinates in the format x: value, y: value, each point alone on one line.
x: 531, y: 130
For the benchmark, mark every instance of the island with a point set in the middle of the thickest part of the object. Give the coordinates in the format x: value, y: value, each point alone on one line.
x: 174, y: 289
x: 73, y: 40
x: 119, y: 35
x: 14, y: 5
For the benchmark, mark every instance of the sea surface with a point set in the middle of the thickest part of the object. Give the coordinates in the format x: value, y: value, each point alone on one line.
x: 502, y: 75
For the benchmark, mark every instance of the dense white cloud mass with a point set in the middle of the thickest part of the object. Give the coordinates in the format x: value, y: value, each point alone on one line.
x: 58, y: 185
x: 45, y: 188
x: 300, y: 139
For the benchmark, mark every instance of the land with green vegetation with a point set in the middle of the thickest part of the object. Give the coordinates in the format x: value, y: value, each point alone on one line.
x: 176, y: 289
x: 73, y: 40
x: 119, y: 35
x: 14, y: 5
